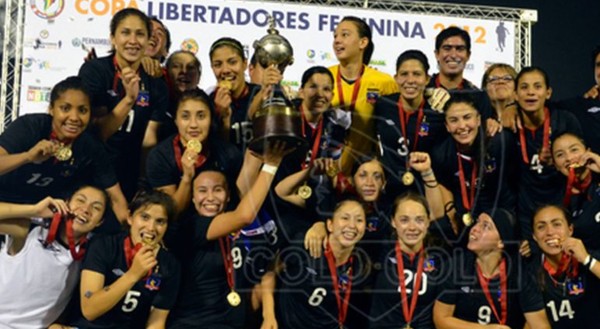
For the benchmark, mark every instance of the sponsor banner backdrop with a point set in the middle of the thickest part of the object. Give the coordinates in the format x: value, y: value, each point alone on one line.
x: 59, y: 33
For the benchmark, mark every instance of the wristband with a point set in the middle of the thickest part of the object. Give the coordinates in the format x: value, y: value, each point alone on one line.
x: 592, y: 263
x: 271, y: 169
x: 587, y: 260
x: 427, y: 173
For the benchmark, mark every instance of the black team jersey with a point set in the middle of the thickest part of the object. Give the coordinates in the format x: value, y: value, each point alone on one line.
x: 106, y: 89
x: 32, y: 182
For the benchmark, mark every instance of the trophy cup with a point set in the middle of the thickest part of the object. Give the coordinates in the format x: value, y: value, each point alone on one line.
x: 277, y: 119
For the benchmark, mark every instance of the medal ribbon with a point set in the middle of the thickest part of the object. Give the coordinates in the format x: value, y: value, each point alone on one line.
x: 484, y: 282
x: 225, y: 246
x: 342, y: 305
x: 177, y: 146
x: 545, y: 140
x: 316, y: 140
x: 116, y: 78
x: 438, y: 84
x: 130, y: 252
x: 565, y: 264
x: 572, y: 182
x: 406, y: 311
x: 354, y: 91
x: 467, y: 200
x: 404, y: 118
x: 56, y: 220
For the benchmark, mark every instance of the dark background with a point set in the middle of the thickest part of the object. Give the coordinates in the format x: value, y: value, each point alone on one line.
x: 562, y: 40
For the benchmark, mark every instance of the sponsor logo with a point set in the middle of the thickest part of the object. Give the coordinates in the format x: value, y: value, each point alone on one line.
x: 86, y: 42
x: 190, y: 45
x: 38, y: 94
x: 47, y: 9
x: 39, y: 44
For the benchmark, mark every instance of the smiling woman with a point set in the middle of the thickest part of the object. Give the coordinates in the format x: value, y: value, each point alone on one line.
x: 128, y: 105
x: 49, y: 154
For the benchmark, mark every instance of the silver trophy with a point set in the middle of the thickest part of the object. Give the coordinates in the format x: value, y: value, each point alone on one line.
x: 277, y: 119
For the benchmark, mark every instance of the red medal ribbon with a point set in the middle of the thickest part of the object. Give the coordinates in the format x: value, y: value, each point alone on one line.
x: 484, y: 282
x: 130, y: 251
x: 54, y: 137
x: 342, y: 305
x: 316, y: 140
x: 567, y: 264
x: 354, y: 91
x: 177, y: 146
x: 116, y: 78
x: 56, y: 220
x: 545, y: 140
x: 438, y: 84
x: 404, y: 117
x: 467, y: 200
x: 225, y: 246
x: 572, y: 182
x: 406, y: 311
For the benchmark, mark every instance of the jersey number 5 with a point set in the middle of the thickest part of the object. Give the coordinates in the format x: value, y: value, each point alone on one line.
x: 131, y: 301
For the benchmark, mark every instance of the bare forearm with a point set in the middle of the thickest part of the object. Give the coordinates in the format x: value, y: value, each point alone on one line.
x: 112, y: 121
x: 96, y: 304
x: 11, y: 162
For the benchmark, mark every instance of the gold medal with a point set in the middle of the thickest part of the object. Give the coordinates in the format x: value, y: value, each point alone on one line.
x: 63, y: 153
x: 233, y: 298
x: 408, y: 178
x: 332, y: 171
x: 194, y: 145
x: 304, y: 191
x: 407, y: 326
x: 467, y: 219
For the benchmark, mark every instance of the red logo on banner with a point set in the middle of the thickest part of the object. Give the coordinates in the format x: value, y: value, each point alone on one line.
x: 47, y: 9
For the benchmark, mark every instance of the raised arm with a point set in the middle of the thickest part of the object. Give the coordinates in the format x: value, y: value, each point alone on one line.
x: 252, y: 201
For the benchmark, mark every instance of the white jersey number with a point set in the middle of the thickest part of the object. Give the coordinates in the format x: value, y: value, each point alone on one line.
x: 317, y: 297
x: 236, y: 256
x: 535, y: 164
x: 408, y: 278
x: 484, y: 315
x: 243, y: 132
x: 128, y: 124
x: 131, y: 301
x: 565, y: 310
x: 38, y: 180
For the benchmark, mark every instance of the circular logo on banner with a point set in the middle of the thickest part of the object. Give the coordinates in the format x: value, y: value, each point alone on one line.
x: 190, y: 45
x: 47, y: 9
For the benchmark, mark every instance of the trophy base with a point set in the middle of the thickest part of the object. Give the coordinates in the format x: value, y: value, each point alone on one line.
x: 276, y: 123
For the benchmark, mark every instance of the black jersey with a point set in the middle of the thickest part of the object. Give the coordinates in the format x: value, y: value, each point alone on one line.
x: 394, y: 147
x: 494, y: 169
x: 202, y: 301
x: 480, y: 97
x: 587, y: 112
x: 106, y: 256
x: 32, y: 182
x: 463, y: 290
x: 571, y: 300
x: 540, y: 183
x: 152, y: 104
x: 305, y: 296
x: 241, y: 133
x: 585, y: 209
x: 162, y: 168
x: 386, y: 308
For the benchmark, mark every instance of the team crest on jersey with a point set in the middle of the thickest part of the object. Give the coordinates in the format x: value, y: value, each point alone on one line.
x: 143, y: 99
x: 153, y: 282
x: 372, y: 224
x: 429, y: 265
x: 372, y: 95
x: 424, y: 129
x: 490, y: 165
x: 575, y: 288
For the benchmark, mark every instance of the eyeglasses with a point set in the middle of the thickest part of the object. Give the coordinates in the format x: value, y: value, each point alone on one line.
x: 494, y: 79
